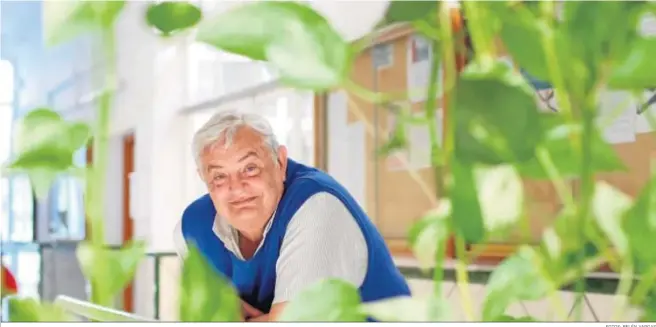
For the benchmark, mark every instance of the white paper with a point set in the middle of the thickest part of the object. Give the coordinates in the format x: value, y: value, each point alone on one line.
x: 356, y: 161
x: 418, y: 72
x: 621, y: 129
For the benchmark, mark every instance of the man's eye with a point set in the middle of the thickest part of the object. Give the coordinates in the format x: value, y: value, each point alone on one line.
x: 251, y: 170
x: 218, y: 178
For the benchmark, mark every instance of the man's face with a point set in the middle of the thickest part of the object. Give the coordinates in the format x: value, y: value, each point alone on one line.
x: 244, y: 180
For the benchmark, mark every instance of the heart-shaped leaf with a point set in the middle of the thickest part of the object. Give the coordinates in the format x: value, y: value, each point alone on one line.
x: 45, y: 145
x: 428, y: 235
x: 299, y: 43
x: 206, y: 296
x: 639, y: 224
x: 31, y: 310
x: 329, y: 300
x: 65, y: 20
x: 109, y: 271
x: 483, y: 132
x: 172, y: 17
x: 515, y: 279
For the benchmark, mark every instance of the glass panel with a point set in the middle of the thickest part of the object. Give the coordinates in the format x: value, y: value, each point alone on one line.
x: 28, y: 273
x: 67, y: 219
x: 6, y: 122
x: 291, y: 114
x: 6, y: 82
x: 4, y: 209
x: 22, y: 208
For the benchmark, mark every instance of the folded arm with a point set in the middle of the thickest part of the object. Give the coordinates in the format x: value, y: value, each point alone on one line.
x: 322, y: 241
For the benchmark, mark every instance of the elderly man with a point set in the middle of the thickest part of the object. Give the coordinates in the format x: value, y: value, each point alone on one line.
x: 274, y: 226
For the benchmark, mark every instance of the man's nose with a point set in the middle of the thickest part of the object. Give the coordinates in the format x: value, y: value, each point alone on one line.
x: 235, y: 183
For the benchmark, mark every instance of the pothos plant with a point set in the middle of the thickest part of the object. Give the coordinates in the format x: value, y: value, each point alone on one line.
x: 494, y: 136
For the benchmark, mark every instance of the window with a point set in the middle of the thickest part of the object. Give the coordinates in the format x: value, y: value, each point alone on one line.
x: 28, y: 272
x: 4, y: 209
x: 383, y: 55
x: 6, y: 122
x: 22, y: 210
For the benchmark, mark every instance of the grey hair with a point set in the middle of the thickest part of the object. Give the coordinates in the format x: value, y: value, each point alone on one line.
x: 225, y: 124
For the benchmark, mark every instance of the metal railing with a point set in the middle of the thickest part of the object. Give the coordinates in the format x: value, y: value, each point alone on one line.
x: 94, y: 312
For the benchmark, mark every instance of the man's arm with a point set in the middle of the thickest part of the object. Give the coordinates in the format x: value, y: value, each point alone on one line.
x: 323, y: 240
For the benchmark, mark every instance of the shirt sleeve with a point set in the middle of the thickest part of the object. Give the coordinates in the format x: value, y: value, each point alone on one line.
x: 323, y: 240
x: 178, y: 241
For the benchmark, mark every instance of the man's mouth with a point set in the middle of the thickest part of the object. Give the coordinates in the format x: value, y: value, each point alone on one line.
x: 243, y: 202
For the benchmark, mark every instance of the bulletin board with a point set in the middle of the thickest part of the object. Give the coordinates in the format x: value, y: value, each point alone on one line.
x: 393, y: 199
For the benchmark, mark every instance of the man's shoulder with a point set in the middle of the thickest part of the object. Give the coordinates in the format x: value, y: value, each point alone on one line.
x: 201, y: 207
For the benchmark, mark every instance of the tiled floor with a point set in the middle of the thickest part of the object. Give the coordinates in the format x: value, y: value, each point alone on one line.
x: 597, y: 307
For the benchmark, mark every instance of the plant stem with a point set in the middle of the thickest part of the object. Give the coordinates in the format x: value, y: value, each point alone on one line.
x: 463, y: 279
x: 647, y: 281
x: 450, y: 71
x: 482, y: 41
x: 623, y: 289
x: 96, y: 186
x: 429, y: 110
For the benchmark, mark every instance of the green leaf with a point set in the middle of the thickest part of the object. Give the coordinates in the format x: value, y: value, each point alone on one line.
x: 427, y: 236
x: 649, y: 308
x: 485, y: 198
x: 405, y: 309
x: 65, y: 20
x: 557, y: 141
x: 170, y: 17
x: 522, y: 34
x: 205, y: 296
x: 501, y: 122
x: 45, y: 145
x: 609, y: 206
x: 409, y: 10
x: 638, y: 69
x: 467, y: 215
x: 108, y: 270
x: 515, y: 279
x: 639, y: 224
x: 329, y: 300
x: 31, y: 310
x: 299, y: 43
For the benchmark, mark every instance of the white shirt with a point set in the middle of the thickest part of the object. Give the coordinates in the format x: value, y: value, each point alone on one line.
x: 322, y: 240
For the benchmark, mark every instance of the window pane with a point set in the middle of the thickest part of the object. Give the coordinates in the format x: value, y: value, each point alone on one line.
x: 6, y: 122
x: 22, y: 208
x: 4, y: 209
x: 6, y: 82
x: 28, y: 273
x: 67, y: 217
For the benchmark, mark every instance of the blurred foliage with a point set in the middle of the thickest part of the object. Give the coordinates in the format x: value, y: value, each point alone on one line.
x: 495, y: 136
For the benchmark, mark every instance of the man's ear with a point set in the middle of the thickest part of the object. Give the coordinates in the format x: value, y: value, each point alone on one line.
x: 282, y: 160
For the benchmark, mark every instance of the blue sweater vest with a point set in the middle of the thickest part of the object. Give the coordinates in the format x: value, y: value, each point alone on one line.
x: 255, y: 279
